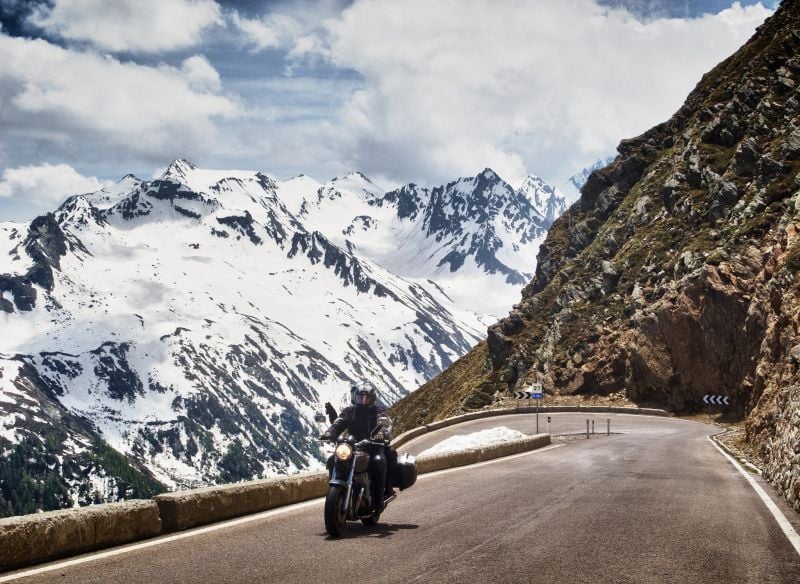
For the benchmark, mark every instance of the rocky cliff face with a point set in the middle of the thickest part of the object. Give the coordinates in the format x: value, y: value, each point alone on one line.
x: 676, y: 273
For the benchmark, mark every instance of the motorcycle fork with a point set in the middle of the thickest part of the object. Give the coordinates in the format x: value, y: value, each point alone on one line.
x: 350, y: 487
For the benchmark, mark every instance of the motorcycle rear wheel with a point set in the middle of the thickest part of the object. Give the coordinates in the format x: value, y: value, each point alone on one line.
x: 335, y: 512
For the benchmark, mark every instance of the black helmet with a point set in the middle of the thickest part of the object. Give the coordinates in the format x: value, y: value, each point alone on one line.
x: 363, y: 393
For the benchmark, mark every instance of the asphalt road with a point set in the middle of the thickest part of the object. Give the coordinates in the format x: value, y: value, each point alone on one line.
x: 654, y: 503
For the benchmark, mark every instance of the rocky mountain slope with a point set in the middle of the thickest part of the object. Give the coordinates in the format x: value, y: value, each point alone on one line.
x: 184, y: 331
x: 676, y: 273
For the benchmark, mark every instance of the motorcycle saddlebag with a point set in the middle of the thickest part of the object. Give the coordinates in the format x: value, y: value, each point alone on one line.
x: 406, y: 471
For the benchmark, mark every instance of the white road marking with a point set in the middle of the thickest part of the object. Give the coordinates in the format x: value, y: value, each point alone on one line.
x: 784, y: 524
x: 159, y: 540
x: 225, y: 524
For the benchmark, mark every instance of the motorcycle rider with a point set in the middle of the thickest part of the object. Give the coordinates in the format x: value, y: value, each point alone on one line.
x: 363, y: 419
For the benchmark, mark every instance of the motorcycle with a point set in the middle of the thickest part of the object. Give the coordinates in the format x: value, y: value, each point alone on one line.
x: 349, y: 495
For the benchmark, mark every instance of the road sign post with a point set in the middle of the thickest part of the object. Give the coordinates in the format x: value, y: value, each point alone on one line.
x: 536, y: 392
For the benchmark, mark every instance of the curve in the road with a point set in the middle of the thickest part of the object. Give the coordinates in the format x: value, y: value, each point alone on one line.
x: 653, y: 503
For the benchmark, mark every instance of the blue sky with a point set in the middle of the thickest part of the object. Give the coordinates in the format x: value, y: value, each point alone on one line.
x: 404, y: 91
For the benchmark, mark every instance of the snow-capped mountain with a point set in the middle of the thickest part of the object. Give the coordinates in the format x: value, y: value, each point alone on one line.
x: 548, y: 201
x: 196, y: 322
x: 476, y: 237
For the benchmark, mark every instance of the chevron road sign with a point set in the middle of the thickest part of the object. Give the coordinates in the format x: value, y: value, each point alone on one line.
x: 716, y: 399
x: 534, y: 392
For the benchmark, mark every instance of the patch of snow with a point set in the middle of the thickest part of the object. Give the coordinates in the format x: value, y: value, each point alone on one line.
x: 9, y: 370
x: 13, y: 259
x: 480, y: 439
x: 295, y: 191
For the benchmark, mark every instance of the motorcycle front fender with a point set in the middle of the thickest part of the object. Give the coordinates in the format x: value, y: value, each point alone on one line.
x: 340, y: 479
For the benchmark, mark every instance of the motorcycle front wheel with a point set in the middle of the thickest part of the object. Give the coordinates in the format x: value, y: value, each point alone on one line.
x: 335, y: 512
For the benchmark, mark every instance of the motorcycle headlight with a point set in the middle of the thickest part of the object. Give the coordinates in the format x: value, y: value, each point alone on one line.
x: 343, y: 451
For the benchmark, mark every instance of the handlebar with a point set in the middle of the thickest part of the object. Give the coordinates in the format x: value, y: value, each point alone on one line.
x: 359, y: 444
x: 367, y: 441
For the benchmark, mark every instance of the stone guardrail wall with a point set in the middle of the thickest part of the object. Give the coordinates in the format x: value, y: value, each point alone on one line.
x: 186, y: 509
x: 30, y: 539
x: 27, y: 539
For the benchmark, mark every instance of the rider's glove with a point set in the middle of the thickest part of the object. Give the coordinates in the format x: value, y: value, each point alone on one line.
x: 380, y: 437
x: 326, y: 436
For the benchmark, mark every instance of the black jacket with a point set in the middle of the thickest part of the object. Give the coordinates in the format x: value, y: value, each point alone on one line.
x: 360, y: 421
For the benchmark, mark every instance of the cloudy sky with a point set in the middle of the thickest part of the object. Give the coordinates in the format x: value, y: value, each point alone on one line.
x: 403, y: 90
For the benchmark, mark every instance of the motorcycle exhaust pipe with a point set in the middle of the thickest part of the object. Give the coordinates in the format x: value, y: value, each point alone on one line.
x: 358, y: 501
x: 385, y: 502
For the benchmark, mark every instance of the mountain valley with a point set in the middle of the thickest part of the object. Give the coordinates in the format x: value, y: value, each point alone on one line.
x: 183, y: 331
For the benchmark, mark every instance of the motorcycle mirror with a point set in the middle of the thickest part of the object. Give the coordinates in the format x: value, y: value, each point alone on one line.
x: 320, y: 418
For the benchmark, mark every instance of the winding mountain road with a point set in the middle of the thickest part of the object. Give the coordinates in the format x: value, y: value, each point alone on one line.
x: 654, y: 502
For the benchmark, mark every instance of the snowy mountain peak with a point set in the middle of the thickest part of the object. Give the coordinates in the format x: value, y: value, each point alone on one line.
x: 547, y: 200
x: 487, y: 190
x: 354, y: 176
x: 201, y: 180
x: 356, y: 182
x: 408, y: 200
x: 489, y: 174
x: 110, y: 196
x: 299, y: 178
x: 179, y: 169
x: 346, y: 191
x: 533, y: 182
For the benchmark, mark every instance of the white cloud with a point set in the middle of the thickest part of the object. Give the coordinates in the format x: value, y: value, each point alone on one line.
x: 137, y: 26
x: 270, y: 31
x: 454, y: 85
x: 88, y: 104
x: 46, y: 184
x: 200, y: 74
x: 287, y: 22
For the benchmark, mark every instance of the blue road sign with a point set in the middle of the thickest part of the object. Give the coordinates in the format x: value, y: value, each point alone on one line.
x: 536, y: 391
